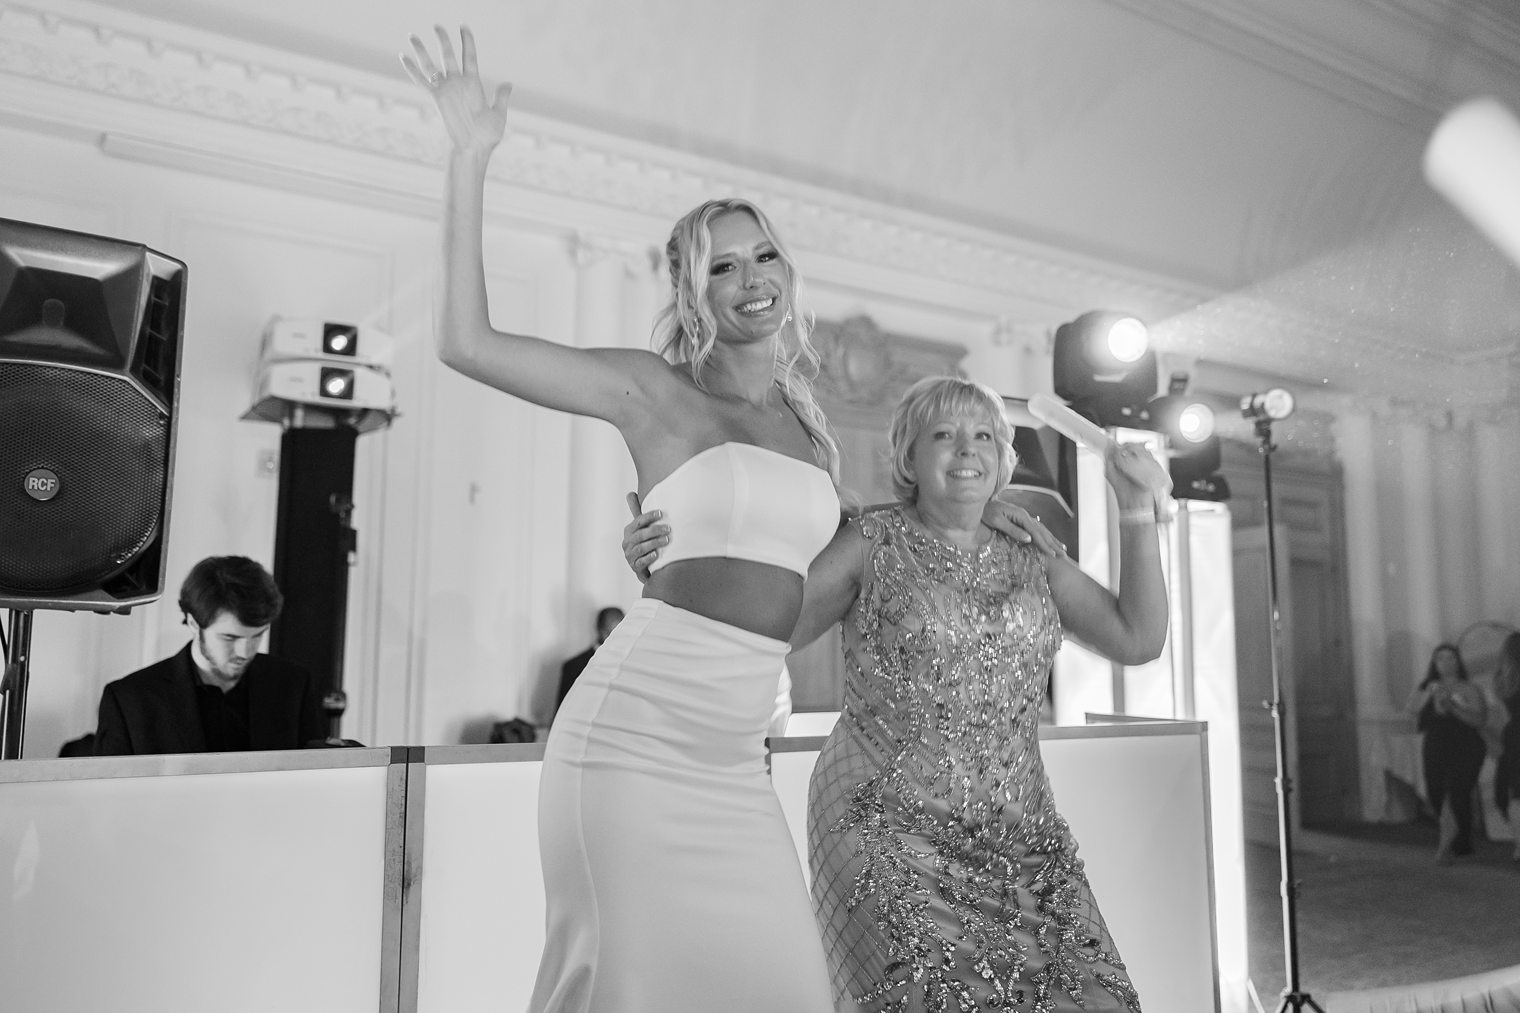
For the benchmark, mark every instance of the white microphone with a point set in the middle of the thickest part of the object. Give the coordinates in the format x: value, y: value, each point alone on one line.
x: 1087, y: 433
x: 1069, y: 424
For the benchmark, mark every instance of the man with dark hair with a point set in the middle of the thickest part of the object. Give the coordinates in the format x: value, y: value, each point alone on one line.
x: 218, y: 694
x: 606, y: 621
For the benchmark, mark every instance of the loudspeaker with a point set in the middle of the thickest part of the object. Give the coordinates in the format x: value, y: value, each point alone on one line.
x: 90, y: 336
x: 313, y: 543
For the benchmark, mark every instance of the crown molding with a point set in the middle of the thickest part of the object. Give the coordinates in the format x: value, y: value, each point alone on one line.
x: 162, y: 94
x: 170, y: 95
x: 1369, y: 53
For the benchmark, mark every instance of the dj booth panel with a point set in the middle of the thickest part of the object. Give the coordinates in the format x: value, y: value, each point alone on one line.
x: 406, y: 880
x: 1137, y: 798
x: 179, y: 884
x: 481, y: 902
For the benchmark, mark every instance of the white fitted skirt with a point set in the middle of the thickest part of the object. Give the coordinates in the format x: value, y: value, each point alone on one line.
x: 670, y: 876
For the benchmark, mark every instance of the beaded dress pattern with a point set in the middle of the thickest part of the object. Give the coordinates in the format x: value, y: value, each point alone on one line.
x: 944, y: 879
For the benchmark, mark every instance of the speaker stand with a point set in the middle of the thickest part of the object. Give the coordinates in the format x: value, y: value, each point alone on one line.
x: 314, y: 548
x: 13, y: 684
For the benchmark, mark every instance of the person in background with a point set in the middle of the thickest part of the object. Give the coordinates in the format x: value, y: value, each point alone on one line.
x: 1507, y: 772
x: 1449, y: 712
x: 217, y: 694
x: 606, y: 621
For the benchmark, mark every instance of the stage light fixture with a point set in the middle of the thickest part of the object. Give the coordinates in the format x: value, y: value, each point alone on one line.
x: 1194, y: 468
x: 311, y: 338
x: 322, y: 372
x: 1273, y: 405
x: 1193, y: 449
x: 1126, y: 340
x: 358, y: 396
x: 1195, y: 423
x: 1103, y: 365
x: 340, y: 339
x: 337, y: 384
x: 1180, y: 418
x: 1193, y: 452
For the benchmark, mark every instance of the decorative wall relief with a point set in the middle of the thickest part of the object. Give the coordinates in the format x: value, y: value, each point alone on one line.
x: 866, y: 369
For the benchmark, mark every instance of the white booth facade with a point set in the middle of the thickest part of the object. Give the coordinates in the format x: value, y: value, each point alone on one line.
x: 405, y: 879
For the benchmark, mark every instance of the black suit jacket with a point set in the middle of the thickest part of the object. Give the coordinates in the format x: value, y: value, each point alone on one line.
x: 153, y: 710
x: 570, y: 671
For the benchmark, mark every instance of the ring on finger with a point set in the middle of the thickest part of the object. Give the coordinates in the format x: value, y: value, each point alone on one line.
x: 433, y: 79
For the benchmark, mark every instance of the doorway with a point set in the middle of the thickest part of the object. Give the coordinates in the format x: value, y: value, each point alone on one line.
x: 1316, y: 672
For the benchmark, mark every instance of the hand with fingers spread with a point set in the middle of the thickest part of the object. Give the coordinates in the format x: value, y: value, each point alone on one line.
x: 643, y: 538
x: 473, y: 121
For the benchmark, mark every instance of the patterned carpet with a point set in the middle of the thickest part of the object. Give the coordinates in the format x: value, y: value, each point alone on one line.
x: 1374, y: 909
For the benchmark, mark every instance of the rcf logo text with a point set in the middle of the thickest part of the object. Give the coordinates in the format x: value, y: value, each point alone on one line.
x: 41, y: 484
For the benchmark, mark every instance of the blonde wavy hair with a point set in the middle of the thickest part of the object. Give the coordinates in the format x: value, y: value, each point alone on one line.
x: 936, y: 397
x: 685, y: 331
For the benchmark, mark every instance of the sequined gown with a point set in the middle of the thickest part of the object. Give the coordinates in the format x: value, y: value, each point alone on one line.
x: 944, y: 879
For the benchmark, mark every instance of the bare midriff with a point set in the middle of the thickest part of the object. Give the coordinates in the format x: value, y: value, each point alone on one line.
x: 758, y: 597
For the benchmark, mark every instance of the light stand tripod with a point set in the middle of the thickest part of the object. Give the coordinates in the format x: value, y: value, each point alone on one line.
x: 1263, y: 410
x: 13, y: 683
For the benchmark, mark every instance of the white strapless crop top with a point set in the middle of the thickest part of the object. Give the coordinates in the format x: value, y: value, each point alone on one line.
x: 746, y: 502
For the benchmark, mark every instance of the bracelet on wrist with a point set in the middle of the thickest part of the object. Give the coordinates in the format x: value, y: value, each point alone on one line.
x: 1140, y: 515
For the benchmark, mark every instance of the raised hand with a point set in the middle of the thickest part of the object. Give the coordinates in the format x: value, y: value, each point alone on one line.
x: 1137, y: 478
x: 473, y: 121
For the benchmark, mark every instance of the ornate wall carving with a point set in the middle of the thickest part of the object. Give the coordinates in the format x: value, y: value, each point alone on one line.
x: 865, y: 370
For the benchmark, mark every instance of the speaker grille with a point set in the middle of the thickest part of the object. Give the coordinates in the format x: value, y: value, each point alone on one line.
x: 108, y: 444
